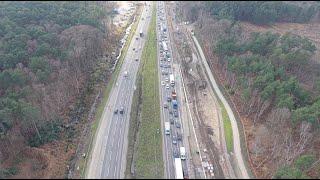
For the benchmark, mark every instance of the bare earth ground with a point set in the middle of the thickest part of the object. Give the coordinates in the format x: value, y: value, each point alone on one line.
x: 49, y: 161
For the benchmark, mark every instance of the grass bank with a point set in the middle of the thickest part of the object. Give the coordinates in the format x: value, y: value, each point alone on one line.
x: 227, y: 128
x: 149, y: 160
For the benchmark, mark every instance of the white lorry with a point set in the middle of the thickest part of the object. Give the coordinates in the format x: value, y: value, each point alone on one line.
x: 178, y: 167
x: 141, y: 33
x: 182, y: 153
x: 167, y: 128
x: 171, y: 79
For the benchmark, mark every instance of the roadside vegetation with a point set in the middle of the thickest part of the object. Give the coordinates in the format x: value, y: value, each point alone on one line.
x: 257, y: 12
x: 41, y: 76
x: 149, y: 160
x: 273, y: 79
x: 227, y: 128
x: 266, y: 66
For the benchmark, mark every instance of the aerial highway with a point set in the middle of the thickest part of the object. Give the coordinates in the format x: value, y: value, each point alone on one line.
x: 110, y: 145
x: 171, y: 143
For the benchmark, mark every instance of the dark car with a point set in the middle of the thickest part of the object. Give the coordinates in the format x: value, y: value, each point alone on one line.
x: 179, y: 137
x: 175, y: 113
x: 169, y: 99
x: 178, y: 124
x: 121, y: 110
x: 175, y: 154
x: 171, y: 121
x: 116, y: 111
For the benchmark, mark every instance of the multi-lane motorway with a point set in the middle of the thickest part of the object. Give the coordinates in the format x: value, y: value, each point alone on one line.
x: 110, y: 147
x: 166, y: 67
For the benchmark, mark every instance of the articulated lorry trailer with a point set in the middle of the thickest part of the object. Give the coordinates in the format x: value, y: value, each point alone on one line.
x: 171, y: 79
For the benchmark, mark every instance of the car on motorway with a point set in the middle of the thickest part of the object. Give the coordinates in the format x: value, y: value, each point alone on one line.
x: 175, y: 113
x: 171, y: 121
x: 137, y: 59
x: 170, y: 111
x: 121, y: 110
x: 176, y: 154
x: 178, y: 125
x: 163, y: 83
x: 174, y: 139
x: 161, y: 65
x: 134, y: 49
x: 169, y: 59
x: 167, y: 86
x: 167, y: 80
x: 165, y: 105
x: 116, y: 111
x: 179, y: 137
x: 169, y: 99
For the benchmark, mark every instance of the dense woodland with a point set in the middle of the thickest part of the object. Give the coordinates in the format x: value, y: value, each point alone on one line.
x: 257, y: 12
x: 48, y: 51
x: 266, y: 65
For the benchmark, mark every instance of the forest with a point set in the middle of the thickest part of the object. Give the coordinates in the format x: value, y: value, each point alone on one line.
x: 256, y: 12
x: 266, y: 64
x: 261, y: 12
x: 37, y: 61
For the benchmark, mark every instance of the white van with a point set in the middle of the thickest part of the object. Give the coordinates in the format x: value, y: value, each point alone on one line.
x: 183, y: 153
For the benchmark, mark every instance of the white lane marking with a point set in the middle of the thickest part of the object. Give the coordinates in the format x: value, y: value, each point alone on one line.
x: 107, y: 172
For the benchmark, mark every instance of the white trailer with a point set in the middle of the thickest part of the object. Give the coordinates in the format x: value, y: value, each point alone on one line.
x: 164, y: 45
x: 178, y: 167
x: 167, y: 128
x: 183, y: 153
x: 171, y: 79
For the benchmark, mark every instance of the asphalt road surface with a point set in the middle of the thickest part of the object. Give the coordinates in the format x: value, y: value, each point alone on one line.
x: 110, y: 147
x: 168, y: 146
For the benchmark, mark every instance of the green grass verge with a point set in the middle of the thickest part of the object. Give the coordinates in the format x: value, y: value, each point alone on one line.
x: 227, y: 128
x: 134, y: 125
x: 105, y: 95
x: 149, y: 160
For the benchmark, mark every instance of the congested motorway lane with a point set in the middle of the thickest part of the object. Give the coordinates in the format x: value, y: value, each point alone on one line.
x: 168, y: 146
x: 110, y: 149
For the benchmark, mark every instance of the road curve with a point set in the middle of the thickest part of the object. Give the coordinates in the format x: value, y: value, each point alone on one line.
x: 235, y: 131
